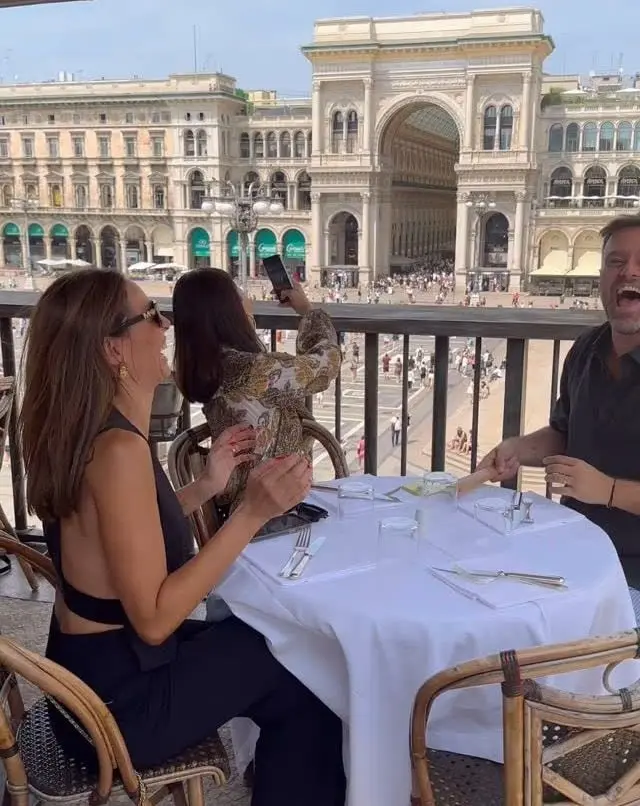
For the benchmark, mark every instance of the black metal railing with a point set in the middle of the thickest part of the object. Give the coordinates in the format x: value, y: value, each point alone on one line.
x: 515, y: 326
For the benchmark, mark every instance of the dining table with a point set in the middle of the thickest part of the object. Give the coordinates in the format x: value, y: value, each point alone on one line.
x: 371, y: 618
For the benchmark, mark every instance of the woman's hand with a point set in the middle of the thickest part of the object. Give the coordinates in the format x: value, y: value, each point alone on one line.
x: 277, y: 485
x: 234, y: 447
x: 296, y: 298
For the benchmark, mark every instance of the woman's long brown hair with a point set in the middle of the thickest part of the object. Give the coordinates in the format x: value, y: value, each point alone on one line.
x: 68, y: 385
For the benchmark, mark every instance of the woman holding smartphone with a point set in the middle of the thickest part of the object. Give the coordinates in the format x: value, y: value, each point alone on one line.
x: 221, y: 362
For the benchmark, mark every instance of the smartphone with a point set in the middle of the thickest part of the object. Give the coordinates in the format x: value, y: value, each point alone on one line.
x: 277, y: 273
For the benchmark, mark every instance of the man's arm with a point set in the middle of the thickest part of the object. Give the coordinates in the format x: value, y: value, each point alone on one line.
x: 532, y: 448
x: 626, y: 496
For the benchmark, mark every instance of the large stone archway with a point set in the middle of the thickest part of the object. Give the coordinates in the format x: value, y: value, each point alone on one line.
x: 418, y: 146
x: 420, y: 134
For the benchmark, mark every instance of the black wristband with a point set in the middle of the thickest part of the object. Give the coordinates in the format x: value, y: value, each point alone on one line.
x: 613, y: 490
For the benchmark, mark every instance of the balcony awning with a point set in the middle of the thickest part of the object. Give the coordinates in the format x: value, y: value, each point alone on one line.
x: 549, y: 271
x: 591, y: 272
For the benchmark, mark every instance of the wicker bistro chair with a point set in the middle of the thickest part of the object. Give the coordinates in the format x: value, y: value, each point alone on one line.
x: 559, y: 748
x: 36, y: 764
x: 188, y: 454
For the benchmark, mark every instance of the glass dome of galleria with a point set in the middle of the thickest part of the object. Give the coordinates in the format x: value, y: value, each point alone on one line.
x: 434, y: 120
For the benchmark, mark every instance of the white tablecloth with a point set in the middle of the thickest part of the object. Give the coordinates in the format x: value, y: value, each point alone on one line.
x: 364, y: 641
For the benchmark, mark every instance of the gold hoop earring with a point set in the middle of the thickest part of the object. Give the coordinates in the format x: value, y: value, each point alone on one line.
x: 123, y: 372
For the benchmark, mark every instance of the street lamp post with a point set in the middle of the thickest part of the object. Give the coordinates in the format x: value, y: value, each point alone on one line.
x: 25, y: 206
x: 243, y: 211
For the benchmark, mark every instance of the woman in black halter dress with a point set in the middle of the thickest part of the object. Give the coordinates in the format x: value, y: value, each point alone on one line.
x: 122, y: 547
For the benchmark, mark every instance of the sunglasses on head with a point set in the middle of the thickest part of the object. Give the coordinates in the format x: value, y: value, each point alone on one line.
x: 152, y: 314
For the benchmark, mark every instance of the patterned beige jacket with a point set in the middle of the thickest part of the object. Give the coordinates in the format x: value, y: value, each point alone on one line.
x: 268, y: 390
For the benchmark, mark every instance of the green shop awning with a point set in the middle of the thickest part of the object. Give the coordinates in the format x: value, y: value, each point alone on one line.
x: 36, y: 231
x: 200, y: 243
x: 294, y: 245
x: 233, y: 244
x: 59, y: 231
x: 266, y: 244
x: 11, y: 231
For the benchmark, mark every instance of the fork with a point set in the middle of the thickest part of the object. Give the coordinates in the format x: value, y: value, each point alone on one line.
x: 302, y: 544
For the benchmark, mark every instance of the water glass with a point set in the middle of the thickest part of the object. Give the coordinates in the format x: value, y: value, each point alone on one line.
x: 440, y: 485
x: 495, y: 513
x: 355, y: 498
x: 398, y: 539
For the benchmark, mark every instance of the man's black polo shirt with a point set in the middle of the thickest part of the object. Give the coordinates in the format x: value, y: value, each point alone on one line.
x: 600, y: 416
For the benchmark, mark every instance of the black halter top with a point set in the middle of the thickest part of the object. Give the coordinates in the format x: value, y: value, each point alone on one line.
x: 178, y: 542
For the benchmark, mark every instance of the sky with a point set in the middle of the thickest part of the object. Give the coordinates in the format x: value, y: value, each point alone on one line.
x: 258, y: 41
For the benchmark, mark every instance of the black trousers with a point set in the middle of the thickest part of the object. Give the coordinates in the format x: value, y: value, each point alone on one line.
x: 220, y: 671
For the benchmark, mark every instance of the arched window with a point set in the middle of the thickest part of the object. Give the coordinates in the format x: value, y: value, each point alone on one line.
x: 201, y: 143
x: 572, y: 143
x: 352, y: 131
x: 624, y: 140
x: 278, y: 187
x: 258, y: 146
x: 132, y: 196
x: 80, y: 194
x: 245, y: 146
x: 607, y: 137
x: 189, y: 143
x: 272, y: 145
x: 304, y: 191
x: 628, y: 187
x: 337, y: 132
x: 589, y: 137
x: 595, y: 186
x: 556, y: 137
x: 197, y: 190
x: 55, y: 195
x: 285, y: 145
x: 251, y: 178
x: 506, y: 128
x: 560, y: 187
x: 106, y: 195
x: 298, y: 145
x: 489, y: 128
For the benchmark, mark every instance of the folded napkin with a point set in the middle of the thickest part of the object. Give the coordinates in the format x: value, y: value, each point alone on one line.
x: 546, y: 514
x: 340, y: 555
x: 497, y: 593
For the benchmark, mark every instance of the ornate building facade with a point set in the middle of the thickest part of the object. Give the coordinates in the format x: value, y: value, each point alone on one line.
x: 425, y: 137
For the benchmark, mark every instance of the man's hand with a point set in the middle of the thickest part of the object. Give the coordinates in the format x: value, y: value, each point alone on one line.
x: 577, y: 479
x: 503, y: 460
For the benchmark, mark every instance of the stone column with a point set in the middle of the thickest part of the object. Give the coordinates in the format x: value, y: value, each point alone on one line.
x: 363, y: 258
x: 518, y: 236
x: 368, y: 113
x: 469, y: 117
x: 462, y: 239
x: 123, y: 256
x: 525, y: 114
x: 47, y: 247
x: 316, y: 234
x: 325, y: 251
x: 97, y: 253
x: 316, y: 118
x: 148, y: 245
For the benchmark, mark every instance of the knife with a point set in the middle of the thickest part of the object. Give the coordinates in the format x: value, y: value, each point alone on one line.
x: 313, y: 549
x: 388, y: 497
